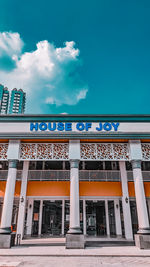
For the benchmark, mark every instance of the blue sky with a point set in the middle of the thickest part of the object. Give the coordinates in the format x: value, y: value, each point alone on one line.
x: 104, y: 68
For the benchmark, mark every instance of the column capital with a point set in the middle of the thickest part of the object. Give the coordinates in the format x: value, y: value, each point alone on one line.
x: 74, y: 163
x: 136, y: 164
x: 13, y: 163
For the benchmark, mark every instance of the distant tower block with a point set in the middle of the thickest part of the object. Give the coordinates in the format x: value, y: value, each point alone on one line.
x: 4, y: 99
x: 17, y: 101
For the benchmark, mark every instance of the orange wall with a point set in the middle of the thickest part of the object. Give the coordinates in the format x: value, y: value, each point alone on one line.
x: 100, y: 189
x: 45, y: 188
x: 3, y: 185
x: 132, y: 192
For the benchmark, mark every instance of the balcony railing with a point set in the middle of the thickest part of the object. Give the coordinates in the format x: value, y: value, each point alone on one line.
x: 49, y: 175
x: 64, y: 175
x: 92, y: 175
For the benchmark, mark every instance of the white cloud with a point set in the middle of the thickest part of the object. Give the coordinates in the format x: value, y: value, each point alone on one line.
x: 10, y: 44
x: 82, y: 94
x: 50, y: 100
x: 67, y: 52
x: 49, y: 75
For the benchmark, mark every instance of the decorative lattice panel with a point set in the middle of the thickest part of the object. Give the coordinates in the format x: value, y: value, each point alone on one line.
x: 3, y: 151
x: 28, y: 151
x: 146, y: 152
x: 60, y: 151
x: 88, y: 151
x: 105, y: 151
x: 44, y: 151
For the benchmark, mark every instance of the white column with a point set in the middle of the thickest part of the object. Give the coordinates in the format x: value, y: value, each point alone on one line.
x: 29, y: 217
x: 40, y: 217
x: 74, y: 198
x: 148, y: 201
x: 63, y: 217
x: 22, y: 204
x: 117, y: 218
x: 84, y: 217
x: 126, y: 202
x: 107, y: 218
x: 140, y: 198
x: 9, y: 198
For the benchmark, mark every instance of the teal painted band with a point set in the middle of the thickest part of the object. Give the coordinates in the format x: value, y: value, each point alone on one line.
x: 13, y: 164
x: 136, y: 164
x: 75, y: 118
x: 74, y: 163
x: 75, y: 136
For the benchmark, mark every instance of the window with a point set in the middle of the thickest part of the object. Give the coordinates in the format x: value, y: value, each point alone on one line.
x: 92, y: 165
x: 32, y: 165
x: 53, y: 165
x: 3, y: 165
x: 20, y: 165
x: 67, y: 165
x: 108, y: 165
x: 128, y: 166
x: 145, y: 166
x: 39, y: 165
x: 115, y: 165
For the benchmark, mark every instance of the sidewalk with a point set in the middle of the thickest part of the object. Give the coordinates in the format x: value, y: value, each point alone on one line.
x: 61, y: 251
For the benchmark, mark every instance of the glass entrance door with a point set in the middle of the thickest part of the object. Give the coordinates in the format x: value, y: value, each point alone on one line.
x: 52, y: 218
x: 134, y: 217
x: 111, y: 214
x: 35, y: 219
x: 96, y: 218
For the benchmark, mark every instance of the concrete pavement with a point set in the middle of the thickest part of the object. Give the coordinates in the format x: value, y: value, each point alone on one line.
x: 74, y: 261
x: 51, y: 252
x: 59, y: 256
x: 61, y: 251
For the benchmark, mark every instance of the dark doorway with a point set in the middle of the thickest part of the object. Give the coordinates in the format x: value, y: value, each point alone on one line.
x: 96, y: 218
x: 52, y: 218
x: 35, y: 219
x: 111, y: 214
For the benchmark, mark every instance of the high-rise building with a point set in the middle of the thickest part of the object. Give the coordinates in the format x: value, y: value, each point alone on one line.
x: 4, y: 99
x: 17, y: 101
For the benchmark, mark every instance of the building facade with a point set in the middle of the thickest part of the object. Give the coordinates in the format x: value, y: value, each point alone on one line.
x: 4, y: 99
x: 77, y: 174
x: 17, y: 101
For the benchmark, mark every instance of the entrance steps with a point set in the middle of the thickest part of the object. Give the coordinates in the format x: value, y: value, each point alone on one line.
x: 107, y: 241
x: 44, y: 241
x: 90, y: 241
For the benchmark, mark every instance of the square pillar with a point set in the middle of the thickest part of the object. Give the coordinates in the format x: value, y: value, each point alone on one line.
x: 107, y: 218
x: 117, y: 218
x: 63, y: 217
x: 126, y: 202
x: 40, y: 217
x: 22, y: 204
x: 29, y: 217
x: 84, y: 217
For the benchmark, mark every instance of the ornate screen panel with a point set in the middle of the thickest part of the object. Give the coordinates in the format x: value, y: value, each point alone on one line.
x: 3, y: 151
x: 109, y: 151
x: 44, y: 151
